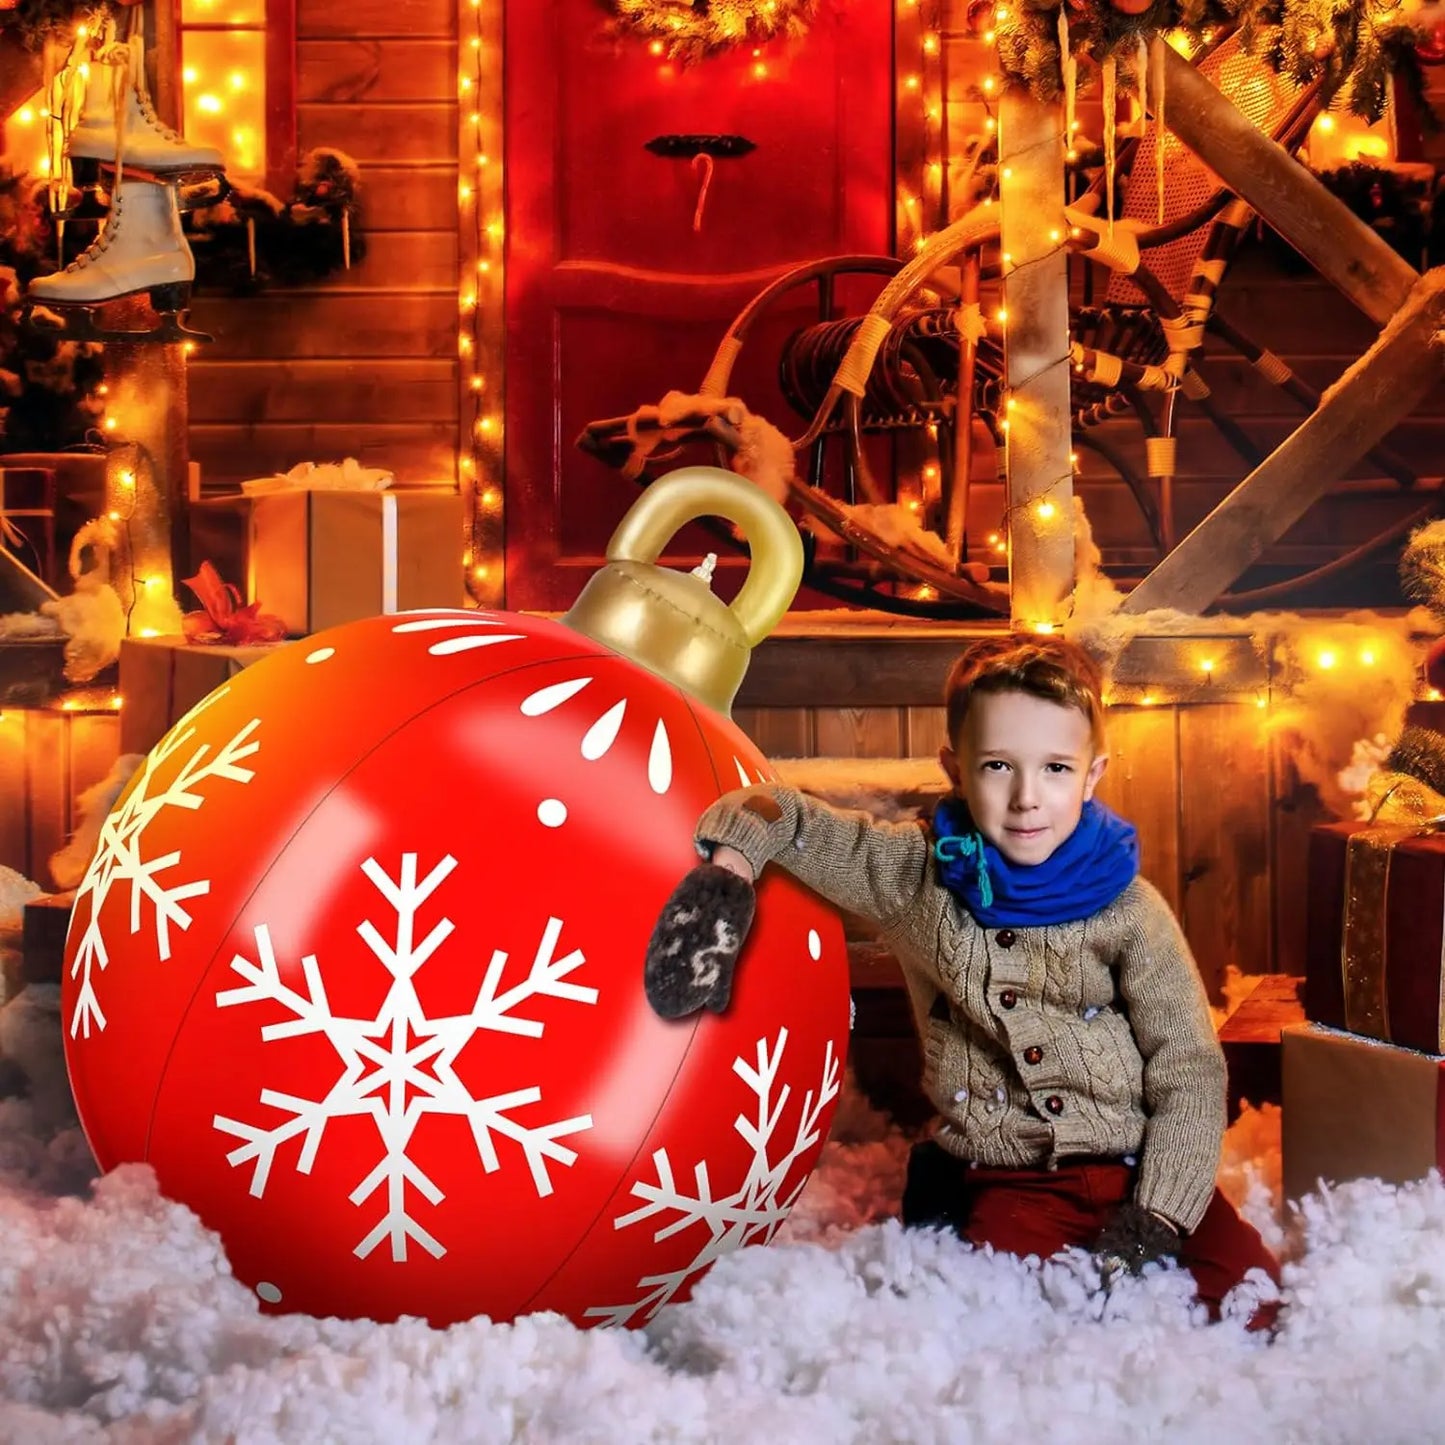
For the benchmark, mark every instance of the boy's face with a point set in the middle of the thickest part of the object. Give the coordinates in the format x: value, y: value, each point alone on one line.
x: 1026, y: 767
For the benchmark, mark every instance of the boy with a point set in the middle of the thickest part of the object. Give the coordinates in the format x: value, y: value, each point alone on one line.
x: 1066, y: 1035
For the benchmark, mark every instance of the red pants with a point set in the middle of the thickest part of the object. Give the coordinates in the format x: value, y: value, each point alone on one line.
x: 1042, y: 1211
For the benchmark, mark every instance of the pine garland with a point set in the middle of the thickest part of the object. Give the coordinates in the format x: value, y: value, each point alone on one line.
x: 48, y: 386
x: 33, y: 22
x: 1355, y: 45
x: 294, y: 243
x: 1420, y: 752
x: 1422, y: 567
x: 692, y: 30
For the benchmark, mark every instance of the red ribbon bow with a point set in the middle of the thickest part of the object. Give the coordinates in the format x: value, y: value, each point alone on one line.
x: 223, y: 618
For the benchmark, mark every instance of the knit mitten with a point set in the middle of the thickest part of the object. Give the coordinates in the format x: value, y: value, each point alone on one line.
x: 935, y: 1189
x: 696, y: 941
x: 1133, y: 1238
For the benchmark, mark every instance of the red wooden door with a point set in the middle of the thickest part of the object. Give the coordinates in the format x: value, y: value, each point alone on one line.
x: 613, y: 298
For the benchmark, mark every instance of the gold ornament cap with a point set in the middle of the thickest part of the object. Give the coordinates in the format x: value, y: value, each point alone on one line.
x: 671, y: 622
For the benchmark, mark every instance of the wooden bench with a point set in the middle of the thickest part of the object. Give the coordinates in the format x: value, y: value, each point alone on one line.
x: 1250, y: 1037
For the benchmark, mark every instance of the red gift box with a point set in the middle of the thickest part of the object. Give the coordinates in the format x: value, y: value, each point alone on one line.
x: 1375, y: 956
x: 1355, y: 1108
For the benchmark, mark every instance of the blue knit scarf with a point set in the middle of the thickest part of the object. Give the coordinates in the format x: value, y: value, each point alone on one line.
x: 1087, y: 872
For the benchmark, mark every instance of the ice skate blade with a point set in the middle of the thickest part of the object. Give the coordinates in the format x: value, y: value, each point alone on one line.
x: 77, y: 322
x: 186, y: 175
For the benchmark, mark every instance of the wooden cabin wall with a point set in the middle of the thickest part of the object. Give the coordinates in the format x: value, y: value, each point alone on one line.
x: 362, y: 364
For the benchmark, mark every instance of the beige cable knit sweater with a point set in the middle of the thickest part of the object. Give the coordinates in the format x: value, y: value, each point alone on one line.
x: 1087, y: 1038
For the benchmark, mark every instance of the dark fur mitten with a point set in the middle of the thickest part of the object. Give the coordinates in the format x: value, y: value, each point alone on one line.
x: 936, y: 1188
x: 1133, y: 1238
x: 695, y: 944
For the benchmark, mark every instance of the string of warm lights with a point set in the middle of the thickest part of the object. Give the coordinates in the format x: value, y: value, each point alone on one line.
x: 920, y: 206
x: 481, y: 234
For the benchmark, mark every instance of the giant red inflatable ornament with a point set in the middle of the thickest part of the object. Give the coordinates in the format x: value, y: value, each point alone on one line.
x: 357, y: 966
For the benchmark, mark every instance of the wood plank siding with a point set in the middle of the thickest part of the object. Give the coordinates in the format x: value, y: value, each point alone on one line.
x: 363, y: 363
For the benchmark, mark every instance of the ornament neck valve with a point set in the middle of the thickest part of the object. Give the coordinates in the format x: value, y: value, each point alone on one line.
x: 670, y: 622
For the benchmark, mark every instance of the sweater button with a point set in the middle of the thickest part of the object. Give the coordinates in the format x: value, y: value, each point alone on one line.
x: 1054, y: 1104
x: 1006, y: 937
x: 1008, y: 998
x: 1033, y: 1054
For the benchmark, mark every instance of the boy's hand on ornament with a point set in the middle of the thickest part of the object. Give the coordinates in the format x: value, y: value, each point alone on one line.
x: 1134, y: 1237
x: 733, y: 861
x: 696, y: 941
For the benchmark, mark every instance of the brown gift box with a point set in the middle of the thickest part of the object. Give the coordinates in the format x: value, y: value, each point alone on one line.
x: 1358, y: 1109
x: 163, y: 678
x: 319, y: 558
x: 46, y: 923
x: 1375, y: 955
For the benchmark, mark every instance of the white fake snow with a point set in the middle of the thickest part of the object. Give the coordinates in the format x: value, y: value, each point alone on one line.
x: 119, y: 1321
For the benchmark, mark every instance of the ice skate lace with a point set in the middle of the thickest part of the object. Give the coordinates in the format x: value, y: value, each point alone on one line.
x: 102, y: 242
x: 135, y: 64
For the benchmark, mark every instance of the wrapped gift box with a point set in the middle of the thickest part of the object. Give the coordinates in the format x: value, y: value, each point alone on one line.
x: 163, y: 678
x: 47, y: 921
x: 1355, y: 1108
x: 319, y: 558
x: 1374, y: 963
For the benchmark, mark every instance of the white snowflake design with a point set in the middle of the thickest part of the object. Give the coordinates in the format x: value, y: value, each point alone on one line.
x: 403, y: 1052
x: 752, y: 1212
x: 119, y: 857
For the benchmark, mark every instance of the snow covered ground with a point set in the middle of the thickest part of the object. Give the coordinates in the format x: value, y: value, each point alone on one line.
x: 119, y: 1321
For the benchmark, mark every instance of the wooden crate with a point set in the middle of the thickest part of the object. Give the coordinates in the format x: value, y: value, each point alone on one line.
x: 48, y: 757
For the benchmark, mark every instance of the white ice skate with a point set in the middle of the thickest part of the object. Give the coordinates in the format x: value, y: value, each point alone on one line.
x: 118, y: 126
x: 141, y: 249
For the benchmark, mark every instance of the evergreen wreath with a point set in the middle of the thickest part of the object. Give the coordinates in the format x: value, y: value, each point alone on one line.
x: 1355, y: 45
x: 690, y: 30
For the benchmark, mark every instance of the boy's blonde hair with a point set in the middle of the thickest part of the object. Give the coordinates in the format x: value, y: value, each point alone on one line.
x: 1041, y: 665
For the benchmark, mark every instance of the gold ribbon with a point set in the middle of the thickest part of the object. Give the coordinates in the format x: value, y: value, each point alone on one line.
x: 1402, y: 807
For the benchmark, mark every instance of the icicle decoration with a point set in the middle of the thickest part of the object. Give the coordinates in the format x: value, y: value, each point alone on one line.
x: 1161, y: 134
x: 1111, y: 75
x: 1141, y: 85
x: 346, y: 237
x: 1069, y: 72
x: 1141, y: 76
x: 47, y: 89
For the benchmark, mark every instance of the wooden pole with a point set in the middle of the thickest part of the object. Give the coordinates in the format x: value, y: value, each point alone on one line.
x: 1342, y: 248
x: 1384, y: 385
x: 1040, y: 486
x: 146, y: 475
x: 957, y: 493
